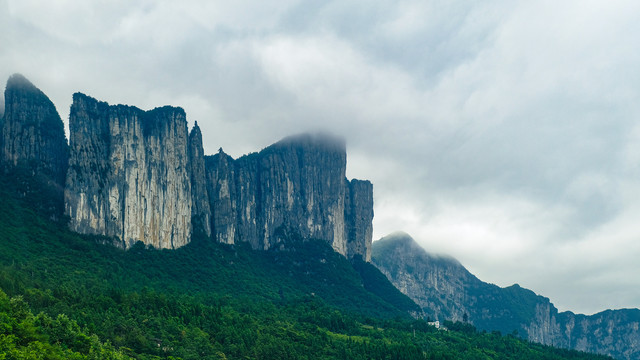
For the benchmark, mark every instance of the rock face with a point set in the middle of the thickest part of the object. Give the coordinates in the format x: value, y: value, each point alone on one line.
x: 225, y: 194
x: 200, y: 210
x: 294, y: 188
x: 32, y: 131
x: 359, y: 218
x: 137, y: 176
x: 447, y: 291
x: 33, y: 144
x: 129, y: 173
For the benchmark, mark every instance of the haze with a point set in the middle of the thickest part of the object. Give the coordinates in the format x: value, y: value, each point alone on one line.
x: 502, y: 133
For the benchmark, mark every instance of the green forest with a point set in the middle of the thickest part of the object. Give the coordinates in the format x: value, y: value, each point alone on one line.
x: 68, y: 296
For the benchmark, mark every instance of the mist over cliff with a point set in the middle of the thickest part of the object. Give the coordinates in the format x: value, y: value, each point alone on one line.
x: 137, y: 175
x: 446, y: 290
x: 33, y: 146
x: 141, y: 176
x: 296, y: 187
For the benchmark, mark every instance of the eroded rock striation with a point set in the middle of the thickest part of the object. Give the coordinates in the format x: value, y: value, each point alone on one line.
x: 359, y: 218
x: 294, y: 188
x: 134, y: 175
x: 129, y: 173
x: 200, y: 209
x: 138, y: 176
x: 447, y: 291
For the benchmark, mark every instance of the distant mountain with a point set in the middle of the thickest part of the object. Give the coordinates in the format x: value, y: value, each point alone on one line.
x: 446, y: 290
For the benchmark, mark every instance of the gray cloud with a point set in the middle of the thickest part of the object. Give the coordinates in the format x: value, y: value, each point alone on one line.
x: 502, y: 133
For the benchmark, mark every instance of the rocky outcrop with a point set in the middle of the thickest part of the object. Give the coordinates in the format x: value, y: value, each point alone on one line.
x: 225, y: 194
x: 132, y: 175
x: 294, y: 188
x: 129, y: 173
x: 611, y: 332
x: 447, y: 291
x: 32, y: 131
x: 33, y: 145
x: 200, y: 210
x: 359, y: 218
x: 138, y: 176
x: 439, y: 284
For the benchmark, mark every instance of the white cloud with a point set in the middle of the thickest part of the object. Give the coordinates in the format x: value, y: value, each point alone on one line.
x: 503, y: 133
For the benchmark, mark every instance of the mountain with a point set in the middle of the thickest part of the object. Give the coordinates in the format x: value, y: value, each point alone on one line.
x: 191, y: 283
x: 33, y: 146
x: 295, y: 187
x: 65, y: 295
x: 129, y: 173
x: 139, y: 175
x: 446, y: 290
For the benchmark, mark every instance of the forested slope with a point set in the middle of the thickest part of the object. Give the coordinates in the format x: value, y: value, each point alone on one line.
x: 67, y: 296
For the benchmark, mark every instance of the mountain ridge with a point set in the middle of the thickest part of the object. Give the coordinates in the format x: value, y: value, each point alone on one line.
x: 135, y: 175
x: 140, y: 180
x: 447, y: 290
x: 209, y: 300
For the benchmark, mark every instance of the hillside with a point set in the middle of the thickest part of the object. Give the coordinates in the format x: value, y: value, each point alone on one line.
x: 69, y: 296
x: 447, y: 291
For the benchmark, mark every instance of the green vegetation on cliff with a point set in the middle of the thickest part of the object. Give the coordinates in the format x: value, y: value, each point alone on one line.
x: 67, y: 296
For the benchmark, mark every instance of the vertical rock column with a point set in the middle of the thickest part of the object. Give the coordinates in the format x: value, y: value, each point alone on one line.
x: 293, y: 188
x: 201, y: 210
x: 302, y: 190
x: 221, y: 187
x: 359, y: 218
x: 87, y: 200
x: 33, y: 145
x: 129, y: 174
x: 32, y: 132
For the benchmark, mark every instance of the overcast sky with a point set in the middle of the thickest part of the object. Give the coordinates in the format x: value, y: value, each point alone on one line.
x: 503, y: 133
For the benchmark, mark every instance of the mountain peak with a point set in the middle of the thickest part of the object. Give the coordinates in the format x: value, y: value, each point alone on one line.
x: 20, y: 90
x: 18, y: 81
x: 402, y: 242
x: 318, y: 139
x: 399, y: 237
x: 32, y: 139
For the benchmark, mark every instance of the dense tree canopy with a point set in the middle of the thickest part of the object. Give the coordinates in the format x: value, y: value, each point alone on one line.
x: 66, y: 296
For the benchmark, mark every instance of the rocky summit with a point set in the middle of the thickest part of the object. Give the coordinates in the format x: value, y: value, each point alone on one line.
x: 294, y: 188
x: 32, y: 131
x: 133, y: 175
x: 447, y: 291
x: 33, y: 146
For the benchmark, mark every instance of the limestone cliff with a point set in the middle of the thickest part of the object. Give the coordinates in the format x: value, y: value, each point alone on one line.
x: 129, y: 173
x: 447, y: 291
x: 201, y: 212
x: 33, y: 144
x: 138, y: 176
x: 294, y: 188
x: 226, y: 221
x: 132, y: 175
x: 359, y: 218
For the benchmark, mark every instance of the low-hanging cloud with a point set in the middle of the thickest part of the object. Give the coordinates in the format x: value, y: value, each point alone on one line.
x: 502, y: 133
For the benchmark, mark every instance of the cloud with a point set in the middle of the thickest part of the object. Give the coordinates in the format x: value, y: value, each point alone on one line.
x: 502, y: 133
